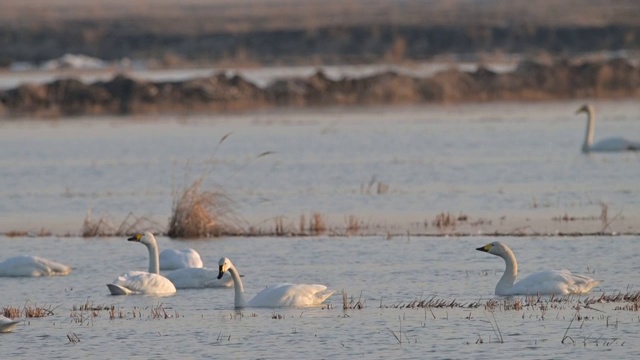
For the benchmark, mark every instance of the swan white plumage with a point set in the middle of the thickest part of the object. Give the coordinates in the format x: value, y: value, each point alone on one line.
x: 7, y: 325
x: 610, y: 144
x: 140, y: 282
x: 549, y: 282
x: 278, y: 295
x: 171, y: 259
x: 198, y: 278
x: 28, y: 265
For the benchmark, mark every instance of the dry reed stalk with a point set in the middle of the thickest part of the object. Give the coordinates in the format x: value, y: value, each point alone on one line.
x: 279, y: 225
x: 382, y: 188
x: 92, y: 228
x: 104, y: 227
x: 317, y: 224
x: 444, y: 221
x: 198, y: 213
x: 302, y: 224
x: 353, y: 225
x: 11, y: 312
x: 34, y: 311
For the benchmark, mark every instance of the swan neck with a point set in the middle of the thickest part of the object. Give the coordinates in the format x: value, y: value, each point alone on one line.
x: 510, y: 273
x: 238, y: 287
x: 591, y: 123
x: 154, y: 261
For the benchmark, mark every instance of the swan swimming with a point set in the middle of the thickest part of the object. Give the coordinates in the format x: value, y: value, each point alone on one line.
x: 7, y: 325
x: 278, y: 295
x: 141, y: 282
x: 549, y: 282
x: 610, y: 144
x: 28, y: 265
x: 198, y: 278
x: 171, y: 259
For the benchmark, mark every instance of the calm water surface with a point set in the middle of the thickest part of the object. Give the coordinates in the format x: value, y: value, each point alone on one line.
x: 520, y: 163
x: 380, y: 271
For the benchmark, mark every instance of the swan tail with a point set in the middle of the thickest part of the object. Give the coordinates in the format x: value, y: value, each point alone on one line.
x: 118, y: 290
x: 61, y: 270
x: 324, y: 295
x: 585, y: 287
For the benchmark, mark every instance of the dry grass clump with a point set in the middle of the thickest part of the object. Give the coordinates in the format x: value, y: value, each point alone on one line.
x: 445, y: 221
x: 199, y: 213
x: 353, y: 225
x: 317, y: 224
x: 104, y: 227
x: 28, y: 310
x: 11, y: 312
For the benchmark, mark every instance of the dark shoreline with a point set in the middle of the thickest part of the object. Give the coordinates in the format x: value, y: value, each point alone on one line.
x: 123, y: 95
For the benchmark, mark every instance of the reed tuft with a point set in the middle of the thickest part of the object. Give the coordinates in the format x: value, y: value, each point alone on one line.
x: 199, y: 213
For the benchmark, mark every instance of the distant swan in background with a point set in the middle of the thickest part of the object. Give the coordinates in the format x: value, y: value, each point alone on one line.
x: 171, y: 259
x: 27, y: 265
x: 140, y: 282
x: 278, y: 295
x: 7, y: 325
x: 610, y: 144
x: 549, y: 282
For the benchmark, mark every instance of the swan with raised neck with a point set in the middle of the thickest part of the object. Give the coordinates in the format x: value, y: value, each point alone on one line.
x: 548, y: 282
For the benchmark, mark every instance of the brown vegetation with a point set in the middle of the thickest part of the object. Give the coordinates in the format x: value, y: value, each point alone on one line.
x: 122, y: 95
x: 200, y: 213
x: 104, y: 227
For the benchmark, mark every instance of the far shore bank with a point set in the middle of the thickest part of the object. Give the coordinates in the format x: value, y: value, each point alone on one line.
x: 125, y: 95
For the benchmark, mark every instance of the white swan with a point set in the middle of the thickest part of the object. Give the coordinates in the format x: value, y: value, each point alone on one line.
x: 27, y: 265
x: 278, y: 295
x: 140, y: 282
x: 171, y: 259
x: 549, y: 282
x: 610, y: 144
x: 7, y: 325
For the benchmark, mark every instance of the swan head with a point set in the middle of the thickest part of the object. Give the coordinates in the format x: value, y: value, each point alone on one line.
x: 146, y: 238
x: 494, y: 248
x: 586, y: 108
x: 224, y: 266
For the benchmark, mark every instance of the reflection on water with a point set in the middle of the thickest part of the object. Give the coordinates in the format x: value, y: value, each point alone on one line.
x: 379, y: 271
x: 506, y: 166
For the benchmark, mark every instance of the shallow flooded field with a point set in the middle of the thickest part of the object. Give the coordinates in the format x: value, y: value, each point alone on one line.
x: 461, y: 317
x: 515, y: 169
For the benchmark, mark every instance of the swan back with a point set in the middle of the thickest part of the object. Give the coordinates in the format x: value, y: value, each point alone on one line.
x: 141, y: 282
x: 291, y: 295
x: 553, y: 282
x: 197, y: 278
x: 171, y: 259
x: 28, y: 265
x: 7, y: 325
